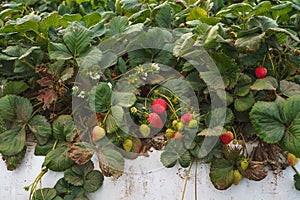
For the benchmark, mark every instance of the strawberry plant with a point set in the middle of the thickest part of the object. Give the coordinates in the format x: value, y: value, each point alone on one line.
x: 106, y: 78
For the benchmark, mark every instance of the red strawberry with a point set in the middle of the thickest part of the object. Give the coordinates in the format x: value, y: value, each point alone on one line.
x: 113, y: 75
x: 159, y: 106
x: 227, y: 137
x: 186, y: 118
x: 261, y: 72
x: 155, y: 120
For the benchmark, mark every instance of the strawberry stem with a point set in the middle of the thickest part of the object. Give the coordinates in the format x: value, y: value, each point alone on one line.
x: 295, y: 170
x: 186, y: 180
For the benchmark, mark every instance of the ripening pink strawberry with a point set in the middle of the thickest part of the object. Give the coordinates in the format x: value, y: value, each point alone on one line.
x: 186, y: 118
x: 155, y: 120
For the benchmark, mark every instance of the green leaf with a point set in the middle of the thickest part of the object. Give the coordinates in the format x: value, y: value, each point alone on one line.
x: 244, y: 103
x: 163, y: 17
x: 52, y: 20
x: 67, y: 18
x: 15, y: 87
x: 267, y: 121
x: 249, y: 43
x: 291, y: 139
x: 93, y: 181
x: 30, y: 25
x: 291, y: 109
x: 240, y: 7
x: 13, y: 162
x: 100, y: 97
x: 58, y: 159
x: 111, y: 162
x: 267, y: 83
x: 15, y: 109
x: 297, y: 181
x: 73, y: 178
x: 90, y: 58
x: 64, y: 128
x: 42, y: 150
x: 12, y: 141
x: 196, y: 13
x: 44, y: 194
x: 289, y: 89
x: 77, y: 39
x: 114, y: 119
x: 263, y: 22
x: 221, y: 174
x: 123, y: 99
x: 117, y: 25
x: 227, y: 68
x: 91, y: 19
x: 59, y: 51
x: 98, y: 30
x: 261, y: 8
x: 243, y: 86
x: 175, y: 151
x: 41, y: 128
x: 211, y: 37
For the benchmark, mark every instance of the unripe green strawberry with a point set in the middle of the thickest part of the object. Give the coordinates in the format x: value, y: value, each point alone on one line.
x: 127, y: 145
x: 244, y: 164
x: 174, y: 122
x: 170, y: 132
x: 145, y: 130
x: 237, y: 177
x: 98, y: 133
x: 179, y: 126
x: 193, y: 123
x: 292, y: 159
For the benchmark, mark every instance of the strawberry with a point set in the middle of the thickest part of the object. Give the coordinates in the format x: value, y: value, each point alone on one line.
x: 292, y: 159
x: 261, y: 72
x: 155, y: 120
x: 113, y: 75
x: 127, y: 145
x: 237, y: 177
x: 179, y: 126
x: 145, y: 130
x: 193, y: 123
x: 244, y: 164
x: 227, y: 137
x: 159, y: 106
x: 186, y: 118
x: 170, y: 132
x: 98, y: 133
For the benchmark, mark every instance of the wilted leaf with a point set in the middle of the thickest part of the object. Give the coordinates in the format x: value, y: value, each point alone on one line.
x: 255, y: 171
x: 111, y: 162
x: 81, y: 152
x: 48, y: 96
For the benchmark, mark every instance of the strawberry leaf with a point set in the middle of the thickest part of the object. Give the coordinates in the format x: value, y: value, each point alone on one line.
x: 174, y: 152
x: 41, y: 128
x: 265, y: 117
x: 46, y: 193
x: 58, y: 159
x: 12, y: 141
x: 100, y: 97
x: 64, y: 128
x: 221, y: 174
x: 111, y: 162
x: 297, y: 181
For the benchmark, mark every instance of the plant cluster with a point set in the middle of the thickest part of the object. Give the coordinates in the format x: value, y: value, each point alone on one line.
x: 84, y: 78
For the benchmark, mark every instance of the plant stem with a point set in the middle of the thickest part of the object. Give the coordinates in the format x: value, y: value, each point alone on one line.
x: 186, y: 180
x: 170, y: 105
x: 296, y: 171
x: 196, y: 173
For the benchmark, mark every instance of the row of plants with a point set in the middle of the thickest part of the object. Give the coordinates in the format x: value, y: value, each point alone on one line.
x: 216, y: 81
